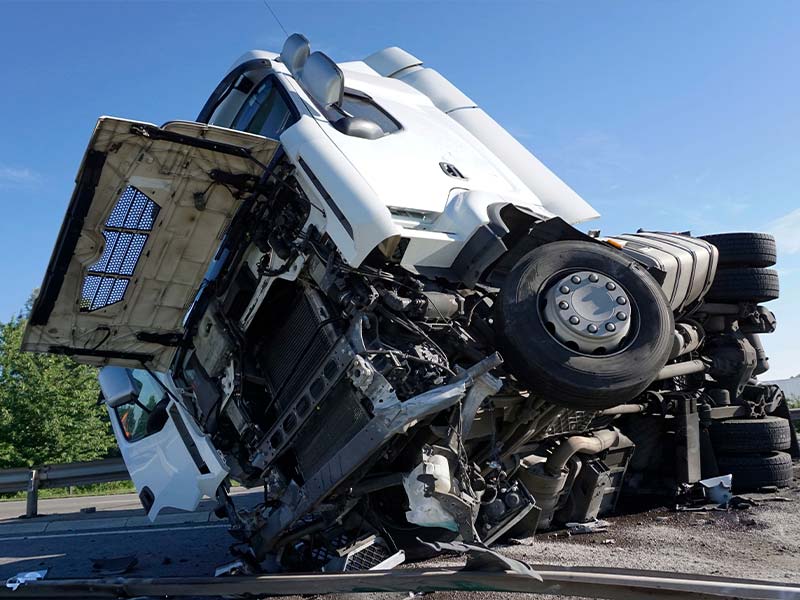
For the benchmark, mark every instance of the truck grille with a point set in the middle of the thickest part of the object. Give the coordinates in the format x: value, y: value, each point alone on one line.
x: 337, y: 419
x: 298, y: 348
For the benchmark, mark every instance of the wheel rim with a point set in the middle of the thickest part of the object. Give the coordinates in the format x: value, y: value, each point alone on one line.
x: 588, y: 312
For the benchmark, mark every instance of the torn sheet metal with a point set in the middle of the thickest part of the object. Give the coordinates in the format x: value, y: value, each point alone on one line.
x: 19, y: 579
x: 596, y: 526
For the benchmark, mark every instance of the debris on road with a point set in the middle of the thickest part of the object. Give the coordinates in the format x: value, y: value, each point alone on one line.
x: 609, y: 542
x: 20, y: 578
x: 742, y: 503
x: 699, y: 495
x: 114, y: 566
x: 596, y: 526
x: 717, y: 489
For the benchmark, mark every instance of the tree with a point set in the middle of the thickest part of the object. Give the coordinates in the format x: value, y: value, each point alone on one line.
x: 48, y: 406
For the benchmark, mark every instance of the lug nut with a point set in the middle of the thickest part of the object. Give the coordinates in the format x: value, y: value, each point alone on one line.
x: 564, y: 289
x: 563, y: 305
x: 622, y: 316
x: 576, y: 279
x: 622, y: 300
x: 611, y: 286
x: 574, y: 320
x: 611, y: 327
x: 592, y: 328
x: 594, y: 278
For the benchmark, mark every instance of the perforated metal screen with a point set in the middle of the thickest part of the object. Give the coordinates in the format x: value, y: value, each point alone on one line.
x: 133, y: 215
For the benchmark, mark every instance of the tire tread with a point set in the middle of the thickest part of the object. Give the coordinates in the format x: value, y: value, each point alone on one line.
x: 741, y: 436
x: 753, y: 471
x: 748, y: 284
x: 744, y: 249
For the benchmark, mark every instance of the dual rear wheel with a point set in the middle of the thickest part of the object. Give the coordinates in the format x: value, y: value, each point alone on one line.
x: 742, y: 275
x: 753, y: 451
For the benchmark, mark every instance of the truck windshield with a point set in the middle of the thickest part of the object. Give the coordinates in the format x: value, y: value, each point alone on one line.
x: 265, y: 112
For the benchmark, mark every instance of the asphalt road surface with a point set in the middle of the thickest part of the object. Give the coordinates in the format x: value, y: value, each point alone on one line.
x: 762, y: 542
x: 67, y: 541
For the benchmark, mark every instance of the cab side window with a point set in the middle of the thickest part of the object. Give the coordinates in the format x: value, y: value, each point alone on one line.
x: 265, y: 112
x: 147, y: 414
x: 365, y: 108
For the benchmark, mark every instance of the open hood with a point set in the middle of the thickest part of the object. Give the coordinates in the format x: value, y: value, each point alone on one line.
x: 150, y: 207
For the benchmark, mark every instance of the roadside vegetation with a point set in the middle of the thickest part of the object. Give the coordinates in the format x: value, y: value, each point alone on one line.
x: 97, y: 489
x: 49, y: 411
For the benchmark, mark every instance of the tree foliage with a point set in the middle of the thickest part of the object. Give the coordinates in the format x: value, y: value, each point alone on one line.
x: 48, y: 406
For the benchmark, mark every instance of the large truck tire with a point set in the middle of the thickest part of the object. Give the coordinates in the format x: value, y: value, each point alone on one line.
x: 753, y: 471
x: 744, y: 285
x: 744, y: 249
x: 743, y: 436
x: 583, y: 325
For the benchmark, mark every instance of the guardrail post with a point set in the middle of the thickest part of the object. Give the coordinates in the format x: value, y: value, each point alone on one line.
x: 32, y: 506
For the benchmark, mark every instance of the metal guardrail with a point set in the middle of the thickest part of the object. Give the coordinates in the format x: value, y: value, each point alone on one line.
x: 55, y: 476
x: 586, y: 582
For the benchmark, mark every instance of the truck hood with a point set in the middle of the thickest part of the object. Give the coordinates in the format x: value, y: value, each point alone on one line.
x: 144, y: 222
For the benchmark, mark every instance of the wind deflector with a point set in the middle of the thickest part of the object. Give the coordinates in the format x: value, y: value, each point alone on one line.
x: 143, y: 224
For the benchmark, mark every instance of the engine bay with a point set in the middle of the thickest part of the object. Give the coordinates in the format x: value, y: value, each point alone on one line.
x: 362, y: 398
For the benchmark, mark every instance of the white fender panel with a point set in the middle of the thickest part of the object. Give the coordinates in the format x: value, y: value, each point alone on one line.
x: 357, y: 219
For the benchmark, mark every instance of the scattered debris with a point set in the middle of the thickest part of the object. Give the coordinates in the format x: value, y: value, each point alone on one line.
x: 235, y: 567
x: 609, y: 542
x: 560, y: 534
x: 596, y: 526
x: 481, y: 558
x: 662, y: 519
x: 742, y: 503
x: 767, y: 489
x: 776, y: 499
x: 114, y: 566
x: 717, y: 489
x: 17, y: 580
x: 698, y: 496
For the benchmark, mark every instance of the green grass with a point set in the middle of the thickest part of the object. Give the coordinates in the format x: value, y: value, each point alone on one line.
x: 96, y: 489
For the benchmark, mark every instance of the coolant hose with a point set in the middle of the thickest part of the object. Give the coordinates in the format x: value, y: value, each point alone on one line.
x: 601, y: 440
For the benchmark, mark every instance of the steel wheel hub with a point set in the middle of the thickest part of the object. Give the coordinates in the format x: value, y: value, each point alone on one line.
x: 588, y: 312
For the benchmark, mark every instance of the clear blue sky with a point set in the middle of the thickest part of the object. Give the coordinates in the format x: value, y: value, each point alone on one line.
x: 663, y: 115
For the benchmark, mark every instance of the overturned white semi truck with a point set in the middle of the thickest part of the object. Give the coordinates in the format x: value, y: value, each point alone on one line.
x: 347, y: 284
